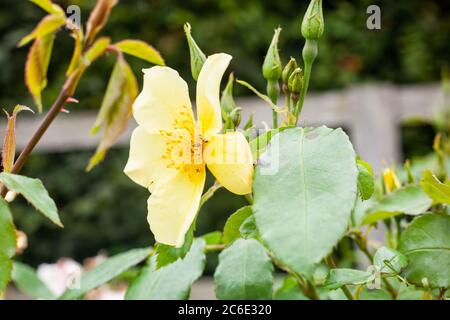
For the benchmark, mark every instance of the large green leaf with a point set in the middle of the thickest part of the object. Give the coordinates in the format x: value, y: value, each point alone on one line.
x: 34, y: 191
x: 305, y: 188
x: 244, y: 272
x: 436, y: 190
x: 231, y: 230
x: 411, y: 200
x: 7, y: 243
x: 106, y: 271
x: 26, y: 279
x: 339, y: 277
x: 172, y: 281
x: 426, y: 244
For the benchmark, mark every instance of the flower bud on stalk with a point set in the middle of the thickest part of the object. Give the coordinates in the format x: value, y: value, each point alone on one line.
x: 313, y: 24
x: 287, y: 71
x: 312, y: 28
x: 198, y: 58
x: 295, y: 84
x: 272, y: 72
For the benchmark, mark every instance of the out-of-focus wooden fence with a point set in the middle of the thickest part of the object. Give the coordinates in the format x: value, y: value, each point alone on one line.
x: 371, y: 114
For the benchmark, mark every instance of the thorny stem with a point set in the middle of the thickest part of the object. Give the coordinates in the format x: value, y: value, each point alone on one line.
x: 65, y: 93
x: 331, y: 263
x: 442, y: 293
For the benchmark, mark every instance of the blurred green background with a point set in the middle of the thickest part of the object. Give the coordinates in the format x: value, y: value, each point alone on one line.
x: 104, y: 209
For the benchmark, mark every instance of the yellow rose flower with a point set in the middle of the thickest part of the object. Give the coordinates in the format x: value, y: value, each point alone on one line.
x: 169, y: 149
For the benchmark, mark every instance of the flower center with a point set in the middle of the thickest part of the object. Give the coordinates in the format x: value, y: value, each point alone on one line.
x: 184, y: 146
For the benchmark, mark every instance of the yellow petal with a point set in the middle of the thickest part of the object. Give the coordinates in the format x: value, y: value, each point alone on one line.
x: 164, y: 100
x: 208, y: 88
x: 146, y: 165
x: 173, y: 206
x: 229, y: 158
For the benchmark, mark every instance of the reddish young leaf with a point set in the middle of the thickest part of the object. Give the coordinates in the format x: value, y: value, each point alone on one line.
x: 9, y: 142
x: 98, y: 18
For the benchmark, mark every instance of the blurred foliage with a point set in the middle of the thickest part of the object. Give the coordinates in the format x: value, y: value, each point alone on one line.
x: 104, y: 209
x: 411, y: 46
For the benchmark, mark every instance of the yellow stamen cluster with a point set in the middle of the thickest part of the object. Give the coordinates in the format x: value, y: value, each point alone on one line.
x: 184, y: 146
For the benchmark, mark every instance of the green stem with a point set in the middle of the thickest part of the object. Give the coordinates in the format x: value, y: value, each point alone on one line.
x: 332, y: 264
x: 309, y: 53
x: 249, y: 198
x: 209, y: 193
x: 214, y: 247
x: 273, y: 91
x: 306, y: 287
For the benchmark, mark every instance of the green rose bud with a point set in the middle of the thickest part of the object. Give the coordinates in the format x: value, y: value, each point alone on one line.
x: 272, y: 64
x: 288, y: 69
x: 313, y: 24
x: 198, y: 58
x: 235, y: 116
x: 295, y: 82
x: 227, y: 103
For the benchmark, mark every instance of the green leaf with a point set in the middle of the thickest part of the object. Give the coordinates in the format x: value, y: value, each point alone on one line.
x: 9, y: 142
x: 436, y: 190
x: 231, y: 230
x: 7, y: 231
x: 49, y: 24
x: 389, y: 261
x: 36, y: 67
x: 96, y: 50
x: 289, y: 290
x: 48, y: 6
x: 374, y: 294
x: 26, y: 279
x: 7, y: 244
x: 34, y: 191
x: 166, y: 254
x: 411, y: 200
x: 214, y: 237
x: 5, y: 272
x: 259, y: 144
x: 244, y: 272
x: 410, y: 293
x: 141, y: 50
x: 106, y: 271
x: 366, y: 185
x: 115, y: 110
x: 426, y: 244
x: 171, y: 282
x: 248, y: 228
x: 305, y: 187
x: 340, y: 277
